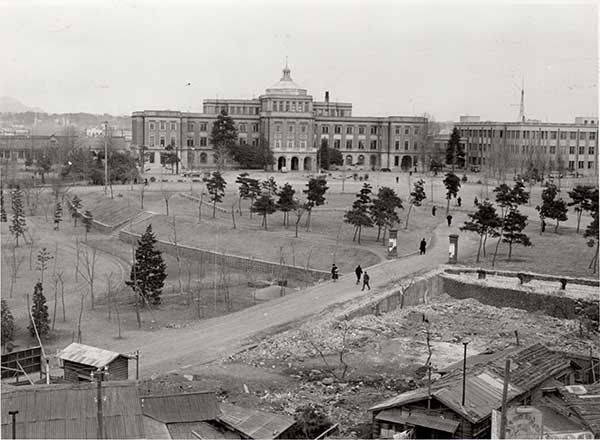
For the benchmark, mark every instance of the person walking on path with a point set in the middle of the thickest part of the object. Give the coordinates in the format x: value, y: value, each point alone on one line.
x: 358, y: 271
x: 459, y: 201
x: 449, y: 220
x: 475, y: 202
x: 334, y: 272
x: 366, y: 279
x: 433, y: 209
x: 422, y: 247
x: 397, y: 179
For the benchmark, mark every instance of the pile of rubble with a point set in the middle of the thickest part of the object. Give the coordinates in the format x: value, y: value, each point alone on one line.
x: 448, y: 321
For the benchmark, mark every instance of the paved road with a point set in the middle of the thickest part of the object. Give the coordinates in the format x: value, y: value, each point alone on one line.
x: 183, y: 349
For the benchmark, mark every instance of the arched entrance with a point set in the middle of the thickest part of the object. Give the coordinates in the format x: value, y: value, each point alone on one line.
x: 406, y: 162
x: 348, y: 160
x: 281, y: 163
x: 361, y: 160
x: 295, y: 163
x: 308, y: 164
x: 203, y: 158
x: 373, y: 160
x: 415, y: 161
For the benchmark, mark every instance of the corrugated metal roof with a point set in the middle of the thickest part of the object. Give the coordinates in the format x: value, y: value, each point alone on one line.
x: 88, y: 355
x: 254, y: 424
x: 178, y: 408
x: 70, y: 411
x: 418, y: 419
x: 587, y: 405
x: 181, y: 431
x: 530, y: 366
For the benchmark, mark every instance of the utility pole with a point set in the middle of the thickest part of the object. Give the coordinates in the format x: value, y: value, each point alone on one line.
x: 105, y: 157
x: 13, y: 415
x: 504, y: 399
x: 99, y: 376
x: 464, y: 384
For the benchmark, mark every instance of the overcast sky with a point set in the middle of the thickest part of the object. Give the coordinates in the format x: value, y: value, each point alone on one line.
x: 387, y: 58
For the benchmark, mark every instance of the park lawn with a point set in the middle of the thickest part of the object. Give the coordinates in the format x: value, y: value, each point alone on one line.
x: 109, y: 211
x: 565, y: 253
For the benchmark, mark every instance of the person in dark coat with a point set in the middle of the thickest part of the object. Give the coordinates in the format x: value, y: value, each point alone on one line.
x: 397, y: 178
x: 358, y: 271
x: 366, y: 279
x: 422, y: 247
x: 543, y: 226
x: 433, y: 209
x: 476, y: 202
x: 449, y: 220
x: 459, y: 201
x: 334, y: 272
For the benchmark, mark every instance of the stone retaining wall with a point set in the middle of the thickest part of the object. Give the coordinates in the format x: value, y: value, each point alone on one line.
x: 421, y: 289
x: 244, y: 264
x: 436, y: 282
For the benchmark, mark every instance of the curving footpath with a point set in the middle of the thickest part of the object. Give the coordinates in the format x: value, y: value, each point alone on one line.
x: 180, y: 350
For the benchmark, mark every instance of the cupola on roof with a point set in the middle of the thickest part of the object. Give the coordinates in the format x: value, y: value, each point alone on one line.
x: 286, y: 86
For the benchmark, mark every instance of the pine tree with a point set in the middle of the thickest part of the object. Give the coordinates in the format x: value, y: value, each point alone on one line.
x: 286, y: 202
x: 149, y: 270
x: 416, y: 197
x: 452, y: 184
x: 485, y: 221
x: 223, y: 137
x: 270, y: 186
x: 323, y: 154
x: 3, y: 217
x: 582, y: 199
x: 513, y: 227
x: 18, y: 225
x: 74, y: 208
x: 57, y: 215
x: 358, y: 215
x: 264, y: 205
x: 7, y: 324
x: 243, y: 189
x: 552, y: 207
x: 253, y: 191
x: 215, y: 185
x: 315, y: 196
x: 39, y: 312
x: 593, y: 231
x: 455, y: 154
x: 87, y: 220
x: 383, y: 209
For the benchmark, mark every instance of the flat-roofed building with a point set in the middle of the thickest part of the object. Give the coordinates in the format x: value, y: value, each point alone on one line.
x: 517, y: 147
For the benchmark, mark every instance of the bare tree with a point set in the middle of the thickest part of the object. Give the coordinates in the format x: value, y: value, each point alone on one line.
x: 89, y: 259
x: 14, y: 264
x: 173, y: 226
x: 77, y: 251
x: 166, y: 196
x: 83, y: 294
x: 341, y: 349
x: 142, y: 190
x: 427, y: 331
x: 109, y: 298
x: 233, y: 215
x: 57, y: 279
x: 300, y: 210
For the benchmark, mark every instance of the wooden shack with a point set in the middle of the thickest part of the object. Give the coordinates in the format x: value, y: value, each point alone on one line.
x: 79, y: 361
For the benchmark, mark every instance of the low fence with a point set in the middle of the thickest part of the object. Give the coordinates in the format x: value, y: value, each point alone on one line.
x: 243, y: 264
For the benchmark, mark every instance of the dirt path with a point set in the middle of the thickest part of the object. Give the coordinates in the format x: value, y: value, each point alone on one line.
x: 184, y: 350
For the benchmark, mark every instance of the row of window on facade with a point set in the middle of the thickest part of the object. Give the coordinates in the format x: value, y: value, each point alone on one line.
x: 528, y: 134
x: 337, y: 129
x: 548, y: 150
x: 233, y: 109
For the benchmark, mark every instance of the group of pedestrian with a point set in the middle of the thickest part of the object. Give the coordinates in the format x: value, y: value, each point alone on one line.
x: 359, y: 274
x: 365, y: 277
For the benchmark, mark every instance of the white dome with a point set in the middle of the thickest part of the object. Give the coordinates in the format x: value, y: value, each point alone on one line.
x: 286, y: 86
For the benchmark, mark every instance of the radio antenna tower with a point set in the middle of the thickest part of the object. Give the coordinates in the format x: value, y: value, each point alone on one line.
x: 522, y: 106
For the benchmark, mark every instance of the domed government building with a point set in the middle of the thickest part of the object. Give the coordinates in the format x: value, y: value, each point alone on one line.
x: 293, y: 124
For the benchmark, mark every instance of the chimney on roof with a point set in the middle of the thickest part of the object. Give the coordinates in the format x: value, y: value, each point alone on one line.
x: 327, y: 97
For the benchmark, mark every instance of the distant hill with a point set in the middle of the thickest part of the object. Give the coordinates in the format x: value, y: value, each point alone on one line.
x: 13, y: 105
